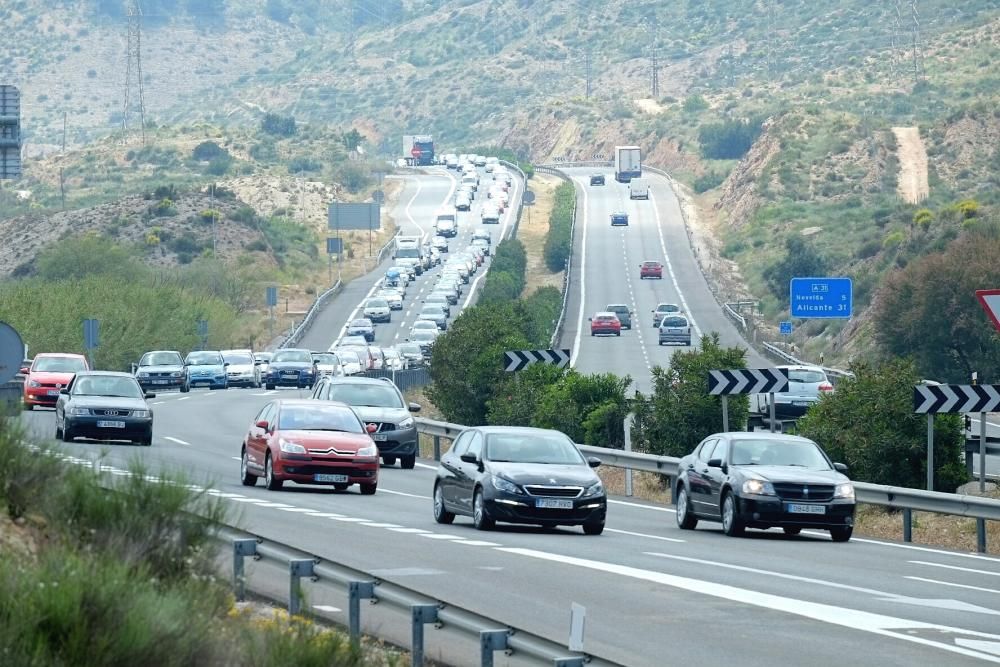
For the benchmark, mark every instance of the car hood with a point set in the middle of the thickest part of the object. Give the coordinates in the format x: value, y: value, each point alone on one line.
x: 792, y: 474
x: 289, y: 366
x: 544, y: 473
x: 108, y: 402
x: 374, y: 414
x: 211, y: 368
x: 344, y: 442
x: 359, y: 327
x: 240, y: 368
x: 49, y: 377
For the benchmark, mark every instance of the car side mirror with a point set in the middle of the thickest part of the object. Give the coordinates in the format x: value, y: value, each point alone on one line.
x: 715, y: 463
x: 24, y: 370
x: 149, y: 394
x: 225, y: 364
x: 64, y: 390
x: 414, y: 407
x: 590, y: 319
x: 371, y: 428
x: 262, y: 424
x: 469, y: 458
x: 840, y: 467
x: 593, y: 461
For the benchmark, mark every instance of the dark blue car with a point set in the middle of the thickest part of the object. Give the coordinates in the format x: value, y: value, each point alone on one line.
x: 291, y: 367
x: 206, y: 369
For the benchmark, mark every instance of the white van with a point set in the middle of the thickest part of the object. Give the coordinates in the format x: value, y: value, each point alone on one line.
x: 638, y: 188
x: 446, y: 222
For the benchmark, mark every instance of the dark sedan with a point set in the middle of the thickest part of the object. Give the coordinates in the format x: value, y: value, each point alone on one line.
x: 757, y: 480
x: 291, y: 367
x: 162, y: 369
x: 519, y: 475
x: 105, y: 406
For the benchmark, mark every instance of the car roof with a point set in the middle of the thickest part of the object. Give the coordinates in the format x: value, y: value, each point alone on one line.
x: 381, y: 382
x: 616, y: 305
x: 307, y: 402
x: 620, y: 213
x: 606, y: 313
x: 526, y: 430
x: 116, y: 374
x: 801, y: 367
x: 651, y: 261
x: 292, y: 349
x: 62, y: 355
x: 666, y: 303
x: 759, y: 435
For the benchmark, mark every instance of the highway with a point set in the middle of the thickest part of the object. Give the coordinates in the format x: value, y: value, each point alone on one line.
x: 605, y: 267
x: 654, y: 595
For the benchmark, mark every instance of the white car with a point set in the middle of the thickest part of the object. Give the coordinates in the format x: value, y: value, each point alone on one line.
x: 377, y: 310
x: 462, y: 201
x: 424, y: 325
x: 328, y: 363
x: 491, y: 214
x: 482, y: 245
x: 350, y: 362
x: 393, y: 360
x: 440, y: 243
x: 241, y: 369
x: 393, y: 297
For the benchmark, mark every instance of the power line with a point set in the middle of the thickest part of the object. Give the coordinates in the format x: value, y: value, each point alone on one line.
x: 133, y: 72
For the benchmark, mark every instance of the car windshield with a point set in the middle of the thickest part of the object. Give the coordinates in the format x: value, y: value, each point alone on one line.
x: 318, y: 418
x: 552, y: 448
x: 667, y: 308
x: 365, y: 395
x: 674, y: 322
x: 106, y: 385
x: 410, y: 348
x: 764, y: 452
x: 424, y: 334
x: 651, y: 265
x: 59, y: 365
x: 301, y: 356
x: 205, y: 359
x: 326, y: 358
x: 238, y: 359
x: 390, y: 353
x: 618, y: 309
x: 378, y: 303
x: 160, y: 359
x: 348, y: 357
x: 360, y: 324
x: 263, y: 356
x: 806, y: 376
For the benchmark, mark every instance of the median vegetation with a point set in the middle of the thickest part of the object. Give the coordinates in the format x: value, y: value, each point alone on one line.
x: 559, y: 240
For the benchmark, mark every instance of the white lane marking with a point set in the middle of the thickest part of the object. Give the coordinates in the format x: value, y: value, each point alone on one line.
x: 183, y: 398
x: 327, y: 608
x: 950, y: 583
x: 254, y: 501
x: 670, y: 268
x: 266, y: 393
x: 585, y: 221
x: 413, y: 531
x: 878, y: 624
x: 954, y: 567
x: 347, y: 519
x: 179, y: 442
x: 236, y: 458
x: 424, y: 465
x: 641, y: 506
x: 296, y: 509
x: 478, y: 543
x: 158, y: 402
x: 901, y: 545
x: 382, y: 525
x: 326, y: 515
x: 265, y: 503
x: 645, y: 535
x: 402, y: 493
x: 441, y: 536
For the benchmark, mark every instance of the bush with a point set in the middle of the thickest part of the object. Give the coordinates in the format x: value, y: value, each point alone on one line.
x: 708, y: 180
x: 302, y: 163
x: 282, y: 126
x: 869, y: 424
x: 353, y: 176
x: 801, y: 260
x: 219, y: 166
x: 729, y: 140
x: 695, y: 104
x: 559, y: 239
x: 164, y: 208
x: 208, y: 150
x: 501, y: 287
x: 541, y: 311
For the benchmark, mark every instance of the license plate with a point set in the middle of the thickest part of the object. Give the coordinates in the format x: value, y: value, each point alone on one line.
x: 290, y: 375
x: 110, y: 424
x: 800, y: 402
x: 379, y: 437
x: 52, y: 392
x: 161, y: 381
x: 805, y: 509
x: 330, y: 478
x: 554, y: 504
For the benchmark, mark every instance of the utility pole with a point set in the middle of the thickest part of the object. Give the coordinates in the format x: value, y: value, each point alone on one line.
x: 133, y: 72
x: 897, y: 20
x: 351, y: 28
x: 918, y: 56
x: 655, y: 64
x: 590, y: 72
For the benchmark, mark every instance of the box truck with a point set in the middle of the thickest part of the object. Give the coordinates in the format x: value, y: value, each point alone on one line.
x: 418, y: 149
x: 628, y: 163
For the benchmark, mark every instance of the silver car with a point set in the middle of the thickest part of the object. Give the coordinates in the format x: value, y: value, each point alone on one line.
x: 675, y: 328
x: 241, y: 369
x: 806, y: 385
x: 439, y: 299
x: 662, y: 310
x: 377, y: 310
x: 392, y: 297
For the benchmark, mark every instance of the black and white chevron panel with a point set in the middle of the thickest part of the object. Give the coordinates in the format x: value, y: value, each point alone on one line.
x: 517, y: 359
x: 747, y: 381
x: 955, y: 398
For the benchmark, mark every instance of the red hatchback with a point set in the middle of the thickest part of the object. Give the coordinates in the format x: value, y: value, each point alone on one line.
x: 605, y: 323
x: 310, y: 442
x: 650, y: 270
x: 49, y: 373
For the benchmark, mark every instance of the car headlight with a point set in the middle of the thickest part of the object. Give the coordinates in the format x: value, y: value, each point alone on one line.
x: 368, y: 451
x: 34, y: 383
x: 758, y: 487
x: 143, y: 374
x: 595, y: 489
x: 176, y: 374
x: 290, y: 447
x: 845, y: 490
x: 406, y: 423
x: 500, y: 484
x: 79, y: 412
x: 142, y: 414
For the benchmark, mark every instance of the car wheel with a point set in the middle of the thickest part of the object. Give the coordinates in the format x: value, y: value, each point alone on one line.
x: 67, y: 432
x: 792, y: 531
x: 441, y: 515
x: 618, y: 333
x: 185, y: 388
x: 389, y: 460
x: 732, y: 524
x: 593, y: 528
x: 29, y: 407
x: 686, y: 520
x: 841, y: 533
x: 270, y: 481
x: 408, y: 462
x: 368, y: 489
x: 269, y: 387
x: 480, y: 517
x: 58, y: 431
x: 246, y: 477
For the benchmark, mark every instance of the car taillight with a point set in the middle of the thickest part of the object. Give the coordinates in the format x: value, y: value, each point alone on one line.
x: 825, y: 386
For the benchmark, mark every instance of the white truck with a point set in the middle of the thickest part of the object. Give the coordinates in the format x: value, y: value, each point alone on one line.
x: 628, y: 163
x: 638, y: 188
x: 409, y: 253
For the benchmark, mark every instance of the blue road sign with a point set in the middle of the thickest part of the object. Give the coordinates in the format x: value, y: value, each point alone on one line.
x: 91, y: 338
x: 334, y: 246
x: 272, y: 296
x: 786, y: 328
x: 822, y: 298
x: 202, y: 327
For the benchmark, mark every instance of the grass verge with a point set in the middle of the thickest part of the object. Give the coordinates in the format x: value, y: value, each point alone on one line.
x: 533, y: 231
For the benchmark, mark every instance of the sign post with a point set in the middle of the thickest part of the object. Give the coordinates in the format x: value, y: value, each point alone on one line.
x: 746, y: 381
x: 821, y: 298
x: 785, y: 328
x: 202, y: 327
x: 272, y: 301
x: 334, y: 247
x: 91, y: 339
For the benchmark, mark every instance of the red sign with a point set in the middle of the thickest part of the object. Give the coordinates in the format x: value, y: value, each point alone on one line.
x: 989, y: 299
x: 416, y: 152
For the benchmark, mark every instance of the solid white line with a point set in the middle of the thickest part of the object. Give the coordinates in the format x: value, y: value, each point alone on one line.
x: 414, y: 531
x: 649, y: 537
x: 179, y: 442
x: 478, y: 543
x: 641, y: 506
x: 424, y: 465
x: 326, y: 515
x: 236, y: 458
x: 441, y: 536
x: 296, y: 509
x: 347, y: 519
x: 670, y: 268
x: 401, y: 493
x: 183, y: 398
x: 583, y: 275
x: 949, y: 583
x: 382, y: 525
x: 955, y: 567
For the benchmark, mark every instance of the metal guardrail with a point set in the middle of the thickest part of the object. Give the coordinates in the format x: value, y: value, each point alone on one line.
x: 893, y: 497
x: 728, y: 310
x: 577, y: 163
x: 303, y: 326
x: 784, y: 356
x: 520, y: 204
x: 422, y: 610
x: 404, y: 379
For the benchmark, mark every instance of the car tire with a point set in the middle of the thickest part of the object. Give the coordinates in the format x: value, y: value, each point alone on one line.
x: 246, y: 477
x: 441, y: 513
x: 269, y: 387
x: 686, y: 520
x: 480, y: 516
x: 59, y: 431
x: 618, y: 333
x: 185, y: 388
x: 593, y: 528
x: 369, y: 489
x: 841, y: 533
x: 732, y: 523
x: 389, y: 460
x: 791, y: 531
x: 29, y: 407
x: 67, y: 433
x: 270, y: 481
x: 408, y: 462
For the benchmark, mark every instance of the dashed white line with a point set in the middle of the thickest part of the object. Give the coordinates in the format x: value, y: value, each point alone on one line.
x: 641, y: 506
x: 644, y: 535
x: 950, y: 583
x: 178, y: 441
x: 424, y: 465
x: 441, y: 536
x: 327, y: 608
x: 382, y: 525
x: 402, y: 493
x: 183, y: 398
x: 954, y: 567
x: 670, y: 269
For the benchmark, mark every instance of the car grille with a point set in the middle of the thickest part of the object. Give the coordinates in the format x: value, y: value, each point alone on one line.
x: 51, y: 384
x: 110, y: 413
x: 331, y: 451
x: 794, y: 491
x: 328, y: 470
x: 383, y: 426
x: 554, y: 491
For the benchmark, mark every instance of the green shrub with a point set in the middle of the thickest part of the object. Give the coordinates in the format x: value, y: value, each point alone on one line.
x: 708, y: 180
x: 801, y: 259
x: 559, y: 239
x: 208, y: 150
x: 542, y: 312
x: 282, y: 126
x: 729, y: 140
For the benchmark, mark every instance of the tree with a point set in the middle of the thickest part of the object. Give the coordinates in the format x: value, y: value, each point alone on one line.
x: 208, y: 150
x: 869, y: 424
x: 929, y: 311
x: 88, y: 255
x: 352, y: 140
x: 283, y: 126
x: 680, y: 413
x: 801, y: 260
x: 729, y: 140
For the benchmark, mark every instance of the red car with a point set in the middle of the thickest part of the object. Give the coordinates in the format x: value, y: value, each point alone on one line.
x: 49, y: 373
x: 650, y: 270
x: 310, y: 442
x: 605, y: 323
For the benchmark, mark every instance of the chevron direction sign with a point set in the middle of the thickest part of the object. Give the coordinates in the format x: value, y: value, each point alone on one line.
x: 952, y: 398
x: 747, y: 381
x: 517, y: 359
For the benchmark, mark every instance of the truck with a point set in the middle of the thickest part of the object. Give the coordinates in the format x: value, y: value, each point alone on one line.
x: 446, y: 222
x: 408, y: 253
x: 418, y: 149
x: 638, y: 188
x: 628, y: 163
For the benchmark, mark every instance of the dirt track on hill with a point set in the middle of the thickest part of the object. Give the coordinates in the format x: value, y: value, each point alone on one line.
x: 912, y: 185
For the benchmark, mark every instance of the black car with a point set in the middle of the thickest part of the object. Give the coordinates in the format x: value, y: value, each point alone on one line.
x: 106, y: 406
x: 162, y: 369
x: 519, y: 475
x: 597, y: 179
x: 623, y: 313
x: 763, y: 480
x: 291, y: 367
